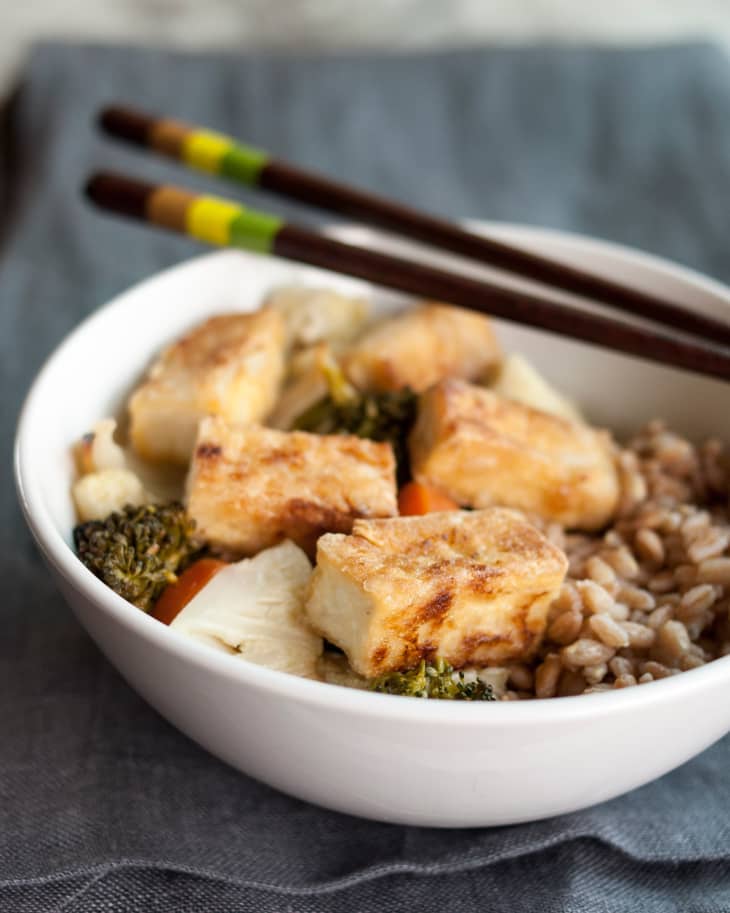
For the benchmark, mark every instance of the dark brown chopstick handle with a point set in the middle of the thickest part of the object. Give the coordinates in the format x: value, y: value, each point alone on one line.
x: 237, y: 161
x: 296, y: 183
x: 223, y: 222
x: 295, y: 243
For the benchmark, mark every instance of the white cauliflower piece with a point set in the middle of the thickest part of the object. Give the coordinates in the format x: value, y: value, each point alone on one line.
x: 520, y: 381
x: 305, y: 385
x: 99, y: 494
x: 256, y: 607
x: 98, y: 449
x: 107, y: 482
x: 315, y: 315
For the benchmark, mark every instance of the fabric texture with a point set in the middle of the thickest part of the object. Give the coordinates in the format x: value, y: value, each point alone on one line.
x: 103, y: 805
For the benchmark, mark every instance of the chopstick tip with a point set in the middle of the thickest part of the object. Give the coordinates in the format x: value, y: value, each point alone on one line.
x: 125, y: 123
x: 119, y: 194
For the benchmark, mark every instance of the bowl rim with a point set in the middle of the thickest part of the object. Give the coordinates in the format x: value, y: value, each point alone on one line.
x: 315, y: 693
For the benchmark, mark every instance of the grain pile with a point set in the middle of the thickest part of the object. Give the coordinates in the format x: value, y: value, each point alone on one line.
x: 651, y: 596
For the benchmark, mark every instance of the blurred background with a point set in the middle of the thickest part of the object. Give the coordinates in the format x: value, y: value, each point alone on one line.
x: 343, y: 24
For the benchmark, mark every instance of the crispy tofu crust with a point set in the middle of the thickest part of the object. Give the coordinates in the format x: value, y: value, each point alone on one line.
x: 251, y: 487
x: 420, y: 347
x: 482, y: 449
x: 471, y: 587
x: 231, y: 365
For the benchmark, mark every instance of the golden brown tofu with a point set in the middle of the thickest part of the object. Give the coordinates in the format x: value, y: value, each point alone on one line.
x: 481, y: 449
x: 231, y: 365
x: 471, y: 587
x: 420, y: 347
x: 251, y: 487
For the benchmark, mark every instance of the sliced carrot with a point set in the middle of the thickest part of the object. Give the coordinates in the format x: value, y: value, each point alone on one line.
x: 192, y: 580
x: 415, y: 499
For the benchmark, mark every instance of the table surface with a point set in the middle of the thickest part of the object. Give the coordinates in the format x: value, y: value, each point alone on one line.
x: 104, y: 806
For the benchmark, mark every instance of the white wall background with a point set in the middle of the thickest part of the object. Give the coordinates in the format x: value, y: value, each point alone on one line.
x: 341, y: 24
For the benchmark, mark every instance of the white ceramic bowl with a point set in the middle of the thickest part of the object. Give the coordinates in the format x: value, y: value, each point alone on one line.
x: 389, y: 758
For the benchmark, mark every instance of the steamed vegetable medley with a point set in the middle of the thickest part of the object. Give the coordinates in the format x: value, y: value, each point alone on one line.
x: 366, y: 502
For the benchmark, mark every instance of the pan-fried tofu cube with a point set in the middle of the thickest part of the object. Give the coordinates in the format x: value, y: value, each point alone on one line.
x: 231, y: 365
x: 420, y: 347
x: 481, y: 449
x: 470, y: 587
x: 251, y: 487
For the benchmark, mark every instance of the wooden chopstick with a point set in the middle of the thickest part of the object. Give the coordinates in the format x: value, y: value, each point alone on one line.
x: 226, y: 157
x: 225, y: 223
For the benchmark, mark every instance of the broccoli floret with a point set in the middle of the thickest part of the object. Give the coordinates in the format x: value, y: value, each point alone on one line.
x: 137, y: 551
x: 385, y: 416
x: 437, y: 680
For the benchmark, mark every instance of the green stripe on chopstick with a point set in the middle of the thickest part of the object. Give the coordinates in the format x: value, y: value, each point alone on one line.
x: 215, y: 153
x: 244, y: 163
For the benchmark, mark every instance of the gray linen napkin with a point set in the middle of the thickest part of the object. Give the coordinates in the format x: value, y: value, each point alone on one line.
x: 103, y: 806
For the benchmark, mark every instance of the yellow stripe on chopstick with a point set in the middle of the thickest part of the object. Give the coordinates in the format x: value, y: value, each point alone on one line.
x: 205, y: 150
x: 209, y: 219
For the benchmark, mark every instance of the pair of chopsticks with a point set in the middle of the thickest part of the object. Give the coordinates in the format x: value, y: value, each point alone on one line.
x: 226, y: 223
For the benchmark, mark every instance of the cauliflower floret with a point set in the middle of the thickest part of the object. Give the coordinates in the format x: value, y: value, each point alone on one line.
x: 315, y: 315
x: 99, y: 494
x: 98, y: 449
x: 520, y: 381
x: 107, y: 482
x: 255, y: 609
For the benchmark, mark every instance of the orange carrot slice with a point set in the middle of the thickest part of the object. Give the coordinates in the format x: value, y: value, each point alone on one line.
x: 415, y: 499
x: 192, y: 580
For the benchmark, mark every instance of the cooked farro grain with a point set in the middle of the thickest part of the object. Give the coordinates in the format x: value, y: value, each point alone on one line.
x: 521, y: 677
x: 621, y: 666
x: 641, y: 636
x: 624, y: 681
x: 595, y: 598
x: 649, y: 546
x: 714, y: 570
x: 547, y: 675
x: 697, y: 600
x: 565, y: 628
x: 608, y: 631
x: 586, y: 652
x: 595, y: 674
x: 657, y: 618
x: 635, y: 597
x: 571, y: 683
x: 708, y: 544
x: 622, y: 561
x: 663, y: 582
x: 599, y: 571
